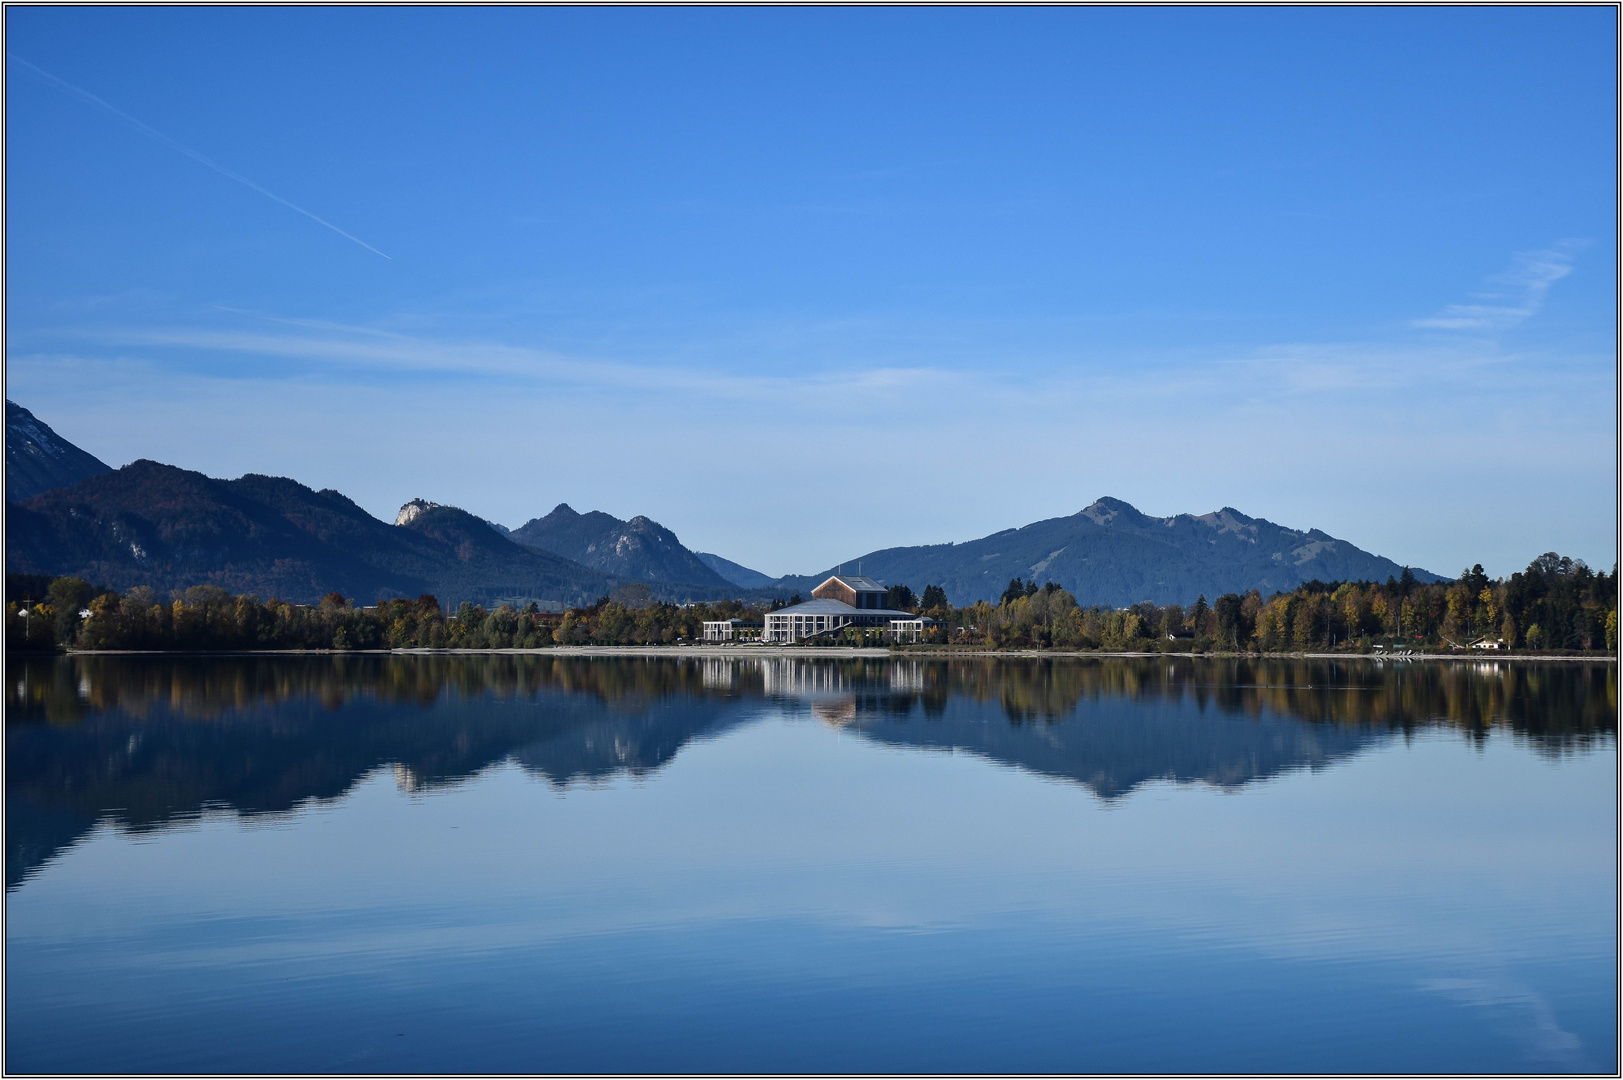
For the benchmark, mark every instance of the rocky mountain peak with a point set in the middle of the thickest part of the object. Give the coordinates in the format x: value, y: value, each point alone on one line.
x: 1230, y: 520
x: 1103, y: 511
x: 414, y: 509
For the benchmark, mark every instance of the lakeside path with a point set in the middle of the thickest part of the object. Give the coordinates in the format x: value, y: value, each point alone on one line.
x: 835, y: 652
x: 968, y: 653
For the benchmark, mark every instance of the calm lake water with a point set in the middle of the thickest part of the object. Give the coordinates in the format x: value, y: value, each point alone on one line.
x: 543, y: 864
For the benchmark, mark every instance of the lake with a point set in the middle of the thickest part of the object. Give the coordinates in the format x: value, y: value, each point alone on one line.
x: 548, y: 864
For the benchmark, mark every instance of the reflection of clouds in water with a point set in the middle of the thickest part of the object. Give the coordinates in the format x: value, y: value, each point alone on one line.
x: 1529, y: 1018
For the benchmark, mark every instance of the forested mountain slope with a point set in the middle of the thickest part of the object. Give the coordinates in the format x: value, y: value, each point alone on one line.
x: 1110, y: 554
x: 738, y: 574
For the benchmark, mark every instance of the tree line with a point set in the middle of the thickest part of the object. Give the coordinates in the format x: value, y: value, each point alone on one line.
x: 75, y: 614
x: 1557, y: 604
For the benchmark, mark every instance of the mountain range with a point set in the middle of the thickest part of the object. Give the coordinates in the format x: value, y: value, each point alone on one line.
x: 1111, y: 554
x: 168, y: 528
x: 1108, y: 553
x: 157, y: 525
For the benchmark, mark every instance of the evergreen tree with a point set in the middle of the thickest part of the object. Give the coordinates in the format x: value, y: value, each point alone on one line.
x: 1229, y: 618
x: 69, y: 596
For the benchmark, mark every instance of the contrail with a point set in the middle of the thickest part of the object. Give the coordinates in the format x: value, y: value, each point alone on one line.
x: 91, y: 99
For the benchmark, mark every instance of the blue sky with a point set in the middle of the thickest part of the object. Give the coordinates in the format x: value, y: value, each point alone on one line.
x: 804, y: 283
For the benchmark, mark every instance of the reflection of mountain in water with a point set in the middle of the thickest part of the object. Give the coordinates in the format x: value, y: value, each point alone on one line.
x: 152, y: 771
x: 610, y: 743
x: 1114, y: 747
x: 147, y: 742
x: 1110, y: 744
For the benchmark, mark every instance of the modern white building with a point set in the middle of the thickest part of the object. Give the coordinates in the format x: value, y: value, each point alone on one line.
x: 910, y: 630
x: 841, y: 601
x: 722, y: 630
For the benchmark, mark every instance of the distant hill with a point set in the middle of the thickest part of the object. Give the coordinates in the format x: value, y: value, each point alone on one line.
x: 153, y: 524
x: 742, y: 576
x: 38, y: 459
x: 1110, y: 554
x: 639, y: 549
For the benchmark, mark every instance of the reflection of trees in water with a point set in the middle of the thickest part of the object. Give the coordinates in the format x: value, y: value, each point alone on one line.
x: 147, y: 741
x: 64, y: 689
x: 1571, y: 701
x: 1576, y: 701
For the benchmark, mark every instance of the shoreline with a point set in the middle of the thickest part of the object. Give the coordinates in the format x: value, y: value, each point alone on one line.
x: 838, y: 652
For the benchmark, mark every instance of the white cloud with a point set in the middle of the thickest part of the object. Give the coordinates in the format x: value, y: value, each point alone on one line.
x: 1523, y: 1013
x: 1517, y: 296
x: 342, y: 351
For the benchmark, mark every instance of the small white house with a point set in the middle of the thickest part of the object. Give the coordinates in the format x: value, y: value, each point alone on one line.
x: 1487, y: 644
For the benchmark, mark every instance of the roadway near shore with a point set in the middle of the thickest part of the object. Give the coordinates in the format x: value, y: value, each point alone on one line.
x: 937, y: 653
x: 828, y: 652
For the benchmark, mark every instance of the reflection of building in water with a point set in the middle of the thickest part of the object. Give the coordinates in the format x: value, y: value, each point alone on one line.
x: 406, y: 781
x: 718, y: 674
x: 794, y: 677
x: 907, y: 677
x: 837, y: 712
x: 785, y: 676
x: 840, y: 694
